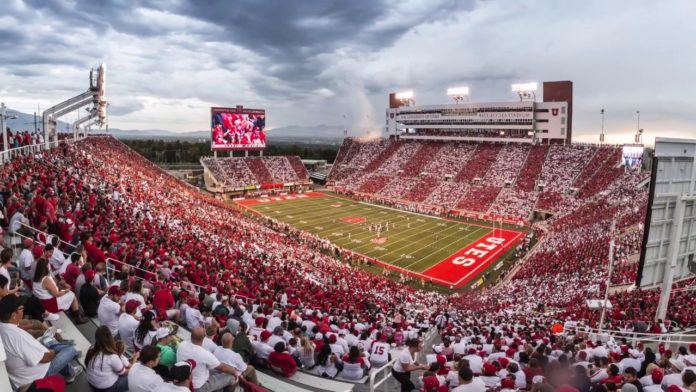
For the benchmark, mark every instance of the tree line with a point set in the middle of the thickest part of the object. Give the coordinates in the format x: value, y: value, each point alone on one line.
x: 182, y: 151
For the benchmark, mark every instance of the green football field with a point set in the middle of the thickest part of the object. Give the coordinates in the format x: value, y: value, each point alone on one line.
x: 448, y: 252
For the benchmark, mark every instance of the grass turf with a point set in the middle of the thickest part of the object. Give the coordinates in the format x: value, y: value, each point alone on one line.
x: 413, y: 241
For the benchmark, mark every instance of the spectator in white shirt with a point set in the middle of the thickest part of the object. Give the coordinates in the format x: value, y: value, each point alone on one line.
x: 27, y: 359
x: 469, y: 383
x: 127, y: 324
x: 225, y: 354
x: 109, y: 309
x: 107, y: 368
x: 25, y: 261
x: 210, y: 374
x: 142, y: 377
x: 182, y: 375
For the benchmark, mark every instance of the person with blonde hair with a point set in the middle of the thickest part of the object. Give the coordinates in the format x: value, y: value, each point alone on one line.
x: 307, y: 353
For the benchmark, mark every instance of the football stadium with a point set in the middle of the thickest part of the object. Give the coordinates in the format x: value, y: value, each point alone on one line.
x: 472, y: 239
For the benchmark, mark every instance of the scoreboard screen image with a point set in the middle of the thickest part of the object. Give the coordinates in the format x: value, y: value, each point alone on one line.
x: 632, y: 156
x: 237, y: 129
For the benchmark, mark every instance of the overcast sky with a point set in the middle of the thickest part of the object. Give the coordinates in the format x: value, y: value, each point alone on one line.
x: 310, y: 63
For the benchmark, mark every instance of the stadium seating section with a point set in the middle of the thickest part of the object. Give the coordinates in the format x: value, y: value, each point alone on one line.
x: 241, y: 172
x: 113, y: 206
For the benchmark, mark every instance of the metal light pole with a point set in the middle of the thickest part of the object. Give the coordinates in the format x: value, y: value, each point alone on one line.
x: 2, y: 125
x: 601, y: 136
x: 638, y: 121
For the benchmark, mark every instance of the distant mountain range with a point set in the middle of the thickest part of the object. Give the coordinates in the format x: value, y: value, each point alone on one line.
x: 25, y: 121
x: 316, y: 133
x: 292, y: 133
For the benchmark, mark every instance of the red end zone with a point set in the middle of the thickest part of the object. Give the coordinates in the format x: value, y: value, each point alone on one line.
x: 271, y: 199
x: 459, y: 268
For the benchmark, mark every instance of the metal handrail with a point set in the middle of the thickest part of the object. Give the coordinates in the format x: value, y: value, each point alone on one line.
x: 386, y: 369
x: 635, y: 337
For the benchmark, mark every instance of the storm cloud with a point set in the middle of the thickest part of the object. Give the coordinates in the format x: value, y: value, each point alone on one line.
x: 314, y: 62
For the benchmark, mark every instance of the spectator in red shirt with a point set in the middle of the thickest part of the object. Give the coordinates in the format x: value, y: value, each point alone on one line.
x: 163, y: 302
x: 281, y: 361
x: 73, y: 271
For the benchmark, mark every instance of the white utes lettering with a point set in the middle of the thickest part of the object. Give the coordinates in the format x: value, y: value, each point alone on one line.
x: 478, y: 252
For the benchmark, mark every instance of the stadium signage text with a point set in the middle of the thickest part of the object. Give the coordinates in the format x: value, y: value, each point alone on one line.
x: 482, y: 116
x: 466, y: 264
x: 486, y: 246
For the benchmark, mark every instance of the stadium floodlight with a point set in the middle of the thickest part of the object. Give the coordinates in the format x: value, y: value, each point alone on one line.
x: 525, y: 90
x: 406, y: 97
x: 459, y: 94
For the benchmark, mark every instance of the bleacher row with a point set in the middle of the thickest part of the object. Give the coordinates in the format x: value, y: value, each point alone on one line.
x: 240, y: 172
x: 502, y: 180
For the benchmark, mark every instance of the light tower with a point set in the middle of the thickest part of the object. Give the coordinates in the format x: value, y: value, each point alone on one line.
x: 526, y: 91
x: 458, y: 94
x: 405, y: 98
x: 601, y: 135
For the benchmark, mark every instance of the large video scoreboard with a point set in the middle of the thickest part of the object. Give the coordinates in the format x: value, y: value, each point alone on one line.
x: 237, y: 129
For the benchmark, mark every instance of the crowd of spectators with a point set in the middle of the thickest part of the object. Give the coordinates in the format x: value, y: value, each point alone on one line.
x: 447, y: 194
x: 300, y: 170
x: 241, y: 172
x: 257, y: 293
x: 507, y: 165
x: 540, y: 353
x: 280, y: 169
x: 479, y: 198
x: 477, y: 167
x: 531, y: 170
x: 422, y: 189
x: 232, y: 172
x: 260, y: 170
x: 16, y: 139
x: 449, y: 159
x: 398, y: 160
x: 111, y: 205
x: 422, y: 158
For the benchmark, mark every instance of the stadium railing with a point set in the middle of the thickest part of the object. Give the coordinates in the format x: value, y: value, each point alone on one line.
x: 12, y: 153
x: 669, y: 339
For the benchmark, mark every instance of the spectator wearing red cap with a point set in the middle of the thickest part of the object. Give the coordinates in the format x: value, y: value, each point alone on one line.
x: 110, y: 308
x: 127, y: 323
x: 54, y: 299
x: 489, y: 376
x: 261, y: 347
x: 260, y: 323
x: 281, y: 361
x: 163, y: 303
x: 656, y: 375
